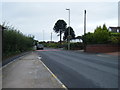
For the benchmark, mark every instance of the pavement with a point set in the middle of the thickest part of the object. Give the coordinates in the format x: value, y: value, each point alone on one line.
x: 29, y: 71
x: 114, y: 53
x: 77, y: 69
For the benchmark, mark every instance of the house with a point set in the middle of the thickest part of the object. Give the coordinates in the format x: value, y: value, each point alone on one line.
x: 115, y: 29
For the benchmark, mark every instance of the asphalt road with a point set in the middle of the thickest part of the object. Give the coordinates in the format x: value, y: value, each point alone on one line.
x: 82, y: 70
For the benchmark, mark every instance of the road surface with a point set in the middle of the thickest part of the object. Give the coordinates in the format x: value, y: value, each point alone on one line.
x: 82, y: 70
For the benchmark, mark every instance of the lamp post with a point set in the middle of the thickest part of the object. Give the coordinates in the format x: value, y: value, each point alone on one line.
x: 84, y: 30
x: 69, y: 31
x: 84, y: 22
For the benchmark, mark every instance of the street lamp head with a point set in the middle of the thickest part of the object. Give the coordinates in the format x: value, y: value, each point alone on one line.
x: 67, y: 9
x: 85, y: 11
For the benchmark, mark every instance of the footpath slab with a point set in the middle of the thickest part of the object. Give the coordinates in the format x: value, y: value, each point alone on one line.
x: 29, y: 72
x: 113, y: 53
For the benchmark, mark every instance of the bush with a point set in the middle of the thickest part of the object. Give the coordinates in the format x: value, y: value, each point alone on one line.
x: 88, y: 38
x: 115, y: 38
x: 53, y: 45
x: 101, y: 35
x: 74, y: 46
x: 15, y: 42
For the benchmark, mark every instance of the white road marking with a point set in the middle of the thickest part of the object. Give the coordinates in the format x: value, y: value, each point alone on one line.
x: 53, y: 74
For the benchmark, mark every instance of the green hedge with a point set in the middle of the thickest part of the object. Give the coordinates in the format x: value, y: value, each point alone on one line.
x: 15, y: 42
x: 53, y: 45
x: 74, y: 46
x: 115, y: 38
x: 64, y: 45
x: 101, y: 35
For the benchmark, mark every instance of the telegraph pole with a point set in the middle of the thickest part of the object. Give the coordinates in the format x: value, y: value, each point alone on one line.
x: 69, y: 31
x: 84, y: 22
x: 43, y: 35
x: 51, y: 36
x: 84, y: 30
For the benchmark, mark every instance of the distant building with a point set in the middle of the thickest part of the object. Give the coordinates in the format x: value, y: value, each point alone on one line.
x: 115, y: 29
x: 75, y: 40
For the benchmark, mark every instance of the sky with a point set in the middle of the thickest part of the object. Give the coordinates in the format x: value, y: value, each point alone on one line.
x: 38, y: 18
x: 119, y: 13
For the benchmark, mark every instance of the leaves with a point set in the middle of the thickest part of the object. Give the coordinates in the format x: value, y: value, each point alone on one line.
x: 15, y: 41
x: 66, y: 34
x: 101, y: 35
x: 60, y: 27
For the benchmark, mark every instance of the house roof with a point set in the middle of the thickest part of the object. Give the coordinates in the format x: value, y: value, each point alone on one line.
x: 114, y: 27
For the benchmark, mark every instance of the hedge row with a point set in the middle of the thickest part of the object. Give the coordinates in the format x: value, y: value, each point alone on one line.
x: 64, y: 45
x: 101, y: 35
x: 74, y: 46
x: 15, y: 42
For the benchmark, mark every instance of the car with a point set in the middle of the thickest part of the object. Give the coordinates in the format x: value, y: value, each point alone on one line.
x: 40, y: 47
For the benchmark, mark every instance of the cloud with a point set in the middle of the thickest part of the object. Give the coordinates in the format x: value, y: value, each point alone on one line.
x: 60, y: 0
x: 33, y: 18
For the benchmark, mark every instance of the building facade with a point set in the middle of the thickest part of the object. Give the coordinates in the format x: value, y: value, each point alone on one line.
x: 114, y: 29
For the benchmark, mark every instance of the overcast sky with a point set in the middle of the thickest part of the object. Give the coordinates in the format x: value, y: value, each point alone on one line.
x: 38, y: 17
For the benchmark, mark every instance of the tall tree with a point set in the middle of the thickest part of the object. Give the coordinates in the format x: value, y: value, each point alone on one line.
x: 104, y: 27
x: 60, y: 27
x: 66, y: 34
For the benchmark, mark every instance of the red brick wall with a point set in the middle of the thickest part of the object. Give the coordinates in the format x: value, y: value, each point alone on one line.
x: 102, y: 48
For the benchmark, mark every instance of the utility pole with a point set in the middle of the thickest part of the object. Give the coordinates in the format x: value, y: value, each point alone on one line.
x: 43, y: 35
x: 51, y: 36
x: 69, y: 31
x: 84, y: 22
x: 84, y: 30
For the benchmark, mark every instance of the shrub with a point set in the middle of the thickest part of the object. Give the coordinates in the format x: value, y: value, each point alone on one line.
x: 15, y: 42
x: 88, y: 38
x: 101, y: 35
x: 115, y: 38
x: 74, y: 46
x: 53, y: 45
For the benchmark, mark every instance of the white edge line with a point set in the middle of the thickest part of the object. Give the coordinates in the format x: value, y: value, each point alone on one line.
x: 53, y: 74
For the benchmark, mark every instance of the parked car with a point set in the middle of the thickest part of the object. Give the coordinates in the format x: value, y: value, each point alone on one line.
x: 40, y: 47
